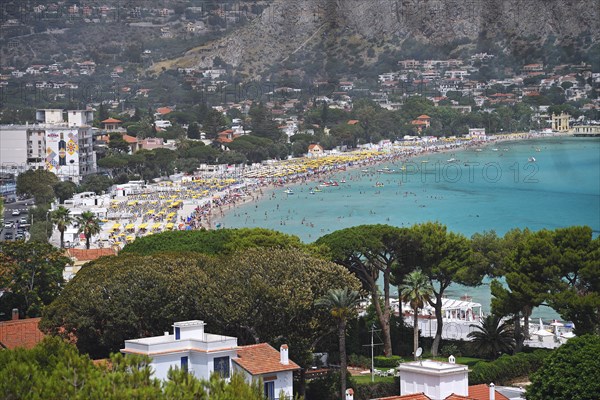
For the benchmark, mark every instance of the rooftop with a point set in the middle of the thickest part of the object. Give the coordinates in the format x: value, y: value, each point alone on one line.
x: 261, y: 358
x: 431, y: 367
x: 20, y: 333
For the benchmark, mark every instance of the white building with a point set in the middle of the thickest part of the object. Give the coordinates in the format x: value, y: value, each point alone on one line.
x: 192, y: 349
x: 435, y: 379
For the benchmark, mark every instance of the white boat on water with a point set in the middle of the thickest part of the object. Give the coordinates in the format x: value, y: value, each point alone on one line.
x: 451, y: 160
x: 531, y: 159
x: 288, y: 191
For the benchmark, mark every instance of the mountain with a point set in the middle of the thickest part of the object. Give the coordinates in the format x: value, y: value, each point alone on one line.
x: 361, y: 30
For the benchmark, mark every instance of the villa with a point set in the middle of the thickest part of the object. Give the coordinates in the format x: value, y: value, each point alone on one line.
x: 193, y: 350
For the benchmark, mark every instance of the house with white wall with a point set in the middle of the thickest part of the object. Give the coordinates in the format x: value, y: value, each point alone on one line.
x: 192, y: 349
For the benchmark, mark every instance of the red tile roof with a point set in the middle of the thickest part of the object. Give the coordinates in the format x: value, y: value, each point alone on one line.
x: 458, y: 397
x: 261, y: 358
x: 163, y: 110
x: 416, y: 396
x: 130, y: 139
x: 482, y: 392
x: 91, y: 254
x: 20, y: 333
x: 353, y: 122
x: 111, y: 121
x: 423, y: 117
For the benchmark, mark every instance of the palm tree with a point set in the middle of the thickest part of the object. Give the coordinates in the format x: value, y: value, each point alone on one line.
x: 89, y: 225
x: 342, y: 304
x: 416, y: 291
x: 61, y: 217
x: 492, y: 337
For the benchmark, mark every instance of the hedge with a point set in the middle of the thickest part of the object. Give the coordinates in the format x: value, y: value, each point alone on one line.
x: 507, y: 367
x: 386, y: 362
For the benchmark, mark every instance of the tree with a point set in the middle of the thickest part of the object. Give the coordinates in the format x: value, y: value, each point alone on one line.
x: 64, y: 190
x: 571, y: 372
x: 97, y: 183
x: 532, y: 272
x: 37, y: 183
x: 31, y: 275
x: 221, y: 241
x: 341, y: 304
x: 256, y: 295
x: 117, y: 143
x: 89, y: 225
x: 62, y: 219
x: 577, y: 297
x: 445, y: 258
x: 416, y: 291
x: 492, y: 337
x: 193, y: 131
x: 369, y: 251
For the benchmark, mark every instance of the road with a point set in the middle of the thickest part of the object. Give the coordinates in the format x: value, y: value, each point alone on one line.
x: 23, y: 207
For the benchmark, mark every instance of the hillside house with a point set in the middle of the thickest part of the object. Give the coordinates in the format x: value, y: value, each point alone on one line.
x: 192, y: 349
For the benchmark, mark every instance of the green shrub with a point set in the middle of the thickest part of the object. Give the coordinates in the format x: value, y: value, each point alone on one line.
x: 387, y: 362
x: 507, y: 367
x: 450, y: 349
x: 356, y: 360
x: 376, y: 390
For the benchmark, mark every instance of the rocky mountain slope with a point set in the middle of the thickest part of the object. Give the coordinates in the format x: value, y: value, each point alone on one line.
x: 289, y: 28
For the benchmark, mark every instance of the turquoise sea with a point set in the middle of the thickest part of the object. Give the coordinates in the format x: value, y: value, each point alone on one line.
x: 498, y: 187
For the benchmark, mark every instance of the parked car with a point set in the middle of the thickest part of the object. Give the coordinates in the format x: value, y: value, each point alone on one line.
x: 23, y: 221
x: 8, y: 224
x: 8, y: 236
x: 16, y: 212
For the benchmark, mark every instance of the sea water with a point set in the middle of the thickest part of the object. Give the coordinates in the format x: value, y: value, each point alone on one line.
x: 535, y: 184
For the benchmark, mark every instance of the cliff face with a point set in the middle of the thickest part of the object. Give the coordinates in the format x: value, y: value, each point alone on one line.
x: 289, y: 27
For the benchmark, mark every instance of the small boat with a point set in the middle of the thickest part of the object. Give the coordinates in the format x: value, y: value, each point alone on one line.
x: 451, y: 160
x: 317, y: 190
x: 494, y: 149
x: 424, y: 161
x: 531, y: 159
x: 311, y: 192
x: 343, y: 180
x: 288, y: 191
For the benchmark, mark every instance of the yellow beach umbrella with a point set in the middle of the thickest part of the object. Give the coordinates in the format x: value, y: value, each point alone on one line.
x: 129, y: 227
x: 143, y: 226
x: 116, y: 227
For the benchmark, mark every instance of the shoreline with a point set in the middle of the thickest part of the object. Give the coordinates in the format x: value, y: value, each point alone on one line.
x: 216, y: 219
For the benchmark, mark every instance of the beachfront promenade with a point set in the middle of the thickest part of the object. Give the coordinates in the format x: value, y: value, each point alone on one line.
x: 194, y: 202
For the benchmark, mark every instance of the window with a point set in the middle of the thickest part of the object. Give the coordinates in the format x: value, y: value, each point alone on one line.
x: 184, y: 364
x: 270, y: 390
x: 221, y: 365
x: 177, y: 333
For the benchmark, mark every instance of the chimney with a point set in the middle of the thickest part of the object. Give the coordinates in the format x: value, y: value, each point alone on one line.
x: 350, y: 394
x: 15, y: 314
x: 492, y: 391
x: 451, y: 359
x: 283, y: 353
